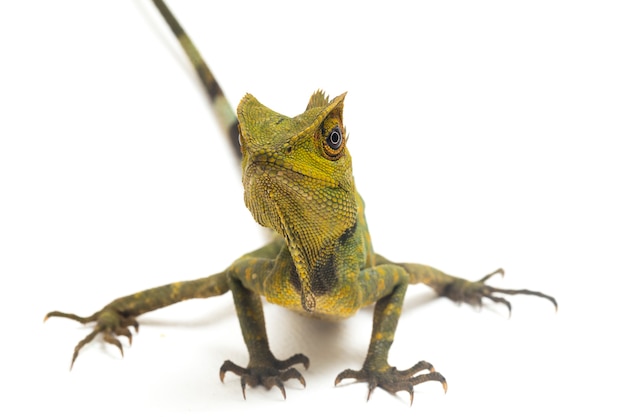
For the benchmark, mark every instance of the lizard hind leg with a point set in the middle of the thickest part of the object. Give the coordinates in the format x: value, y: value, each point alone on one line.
x: 466, y: 291
x: 116, y: 318
x: 109, y: 323
x: 474, y: 292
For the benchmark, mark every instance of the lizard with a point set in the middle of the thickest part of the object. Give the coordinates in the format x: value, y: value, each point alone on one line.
x: 298, y: 182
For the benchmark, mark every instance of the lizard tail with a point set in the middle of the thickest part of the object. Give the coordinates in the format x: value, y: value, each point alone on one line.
x: 223, y: 110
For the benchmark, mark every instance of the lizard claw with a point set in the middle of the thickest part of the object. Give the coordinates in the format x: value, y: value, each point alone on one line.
x: 108, y: 322
x: 393, y: 380
x: 271, y: 374
x: 473, y: 292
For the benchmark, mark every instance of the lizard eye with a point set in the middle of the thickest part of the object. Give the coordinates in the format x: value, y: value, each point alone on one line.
x: 334, y: 139
x: 333, y: 145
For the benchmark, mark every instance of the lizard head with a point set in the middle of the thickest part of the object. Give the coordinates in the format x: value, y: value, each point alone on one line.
x: 297, y: 177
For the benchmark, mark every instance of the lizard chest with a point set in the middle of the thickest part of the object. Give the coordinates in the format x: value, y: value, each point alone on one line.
x: 336, y: 298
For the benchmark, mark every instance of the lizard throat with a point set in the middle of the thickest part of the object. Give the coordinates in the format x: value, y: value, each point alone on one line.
x: 311, y: 215
x: 273, y: 192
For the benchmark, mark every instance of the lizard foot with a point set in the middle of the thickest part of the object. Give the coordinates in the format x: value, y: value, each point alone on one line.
x: 473, y: 292
x: 271, y: 374
x: 392, y: 380
x: 109, y: 322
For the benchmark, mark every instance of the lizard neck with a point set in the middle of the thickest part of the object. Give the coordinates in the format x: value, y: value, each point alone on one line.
x: 315, y: 219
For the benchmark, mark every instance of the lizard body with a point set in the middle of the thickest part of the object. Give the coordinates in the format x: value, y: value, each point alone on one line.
x: 297, y: 177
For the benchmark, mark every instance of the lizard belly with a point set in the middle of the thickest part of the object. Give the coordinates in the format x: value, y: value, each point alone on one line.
x: 331, y: 306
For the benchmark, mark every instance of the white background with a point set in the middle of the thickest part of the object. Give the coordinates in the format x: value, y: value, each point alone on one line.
x: 484, y: 134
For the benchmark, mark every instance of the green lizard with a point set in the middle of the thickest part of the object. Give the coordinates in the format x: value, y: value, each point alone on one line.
x: 297, y: 177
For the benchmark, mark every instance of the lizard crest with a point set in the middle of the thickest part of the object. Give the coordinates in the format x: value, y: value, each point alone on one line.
x: 297, y: 177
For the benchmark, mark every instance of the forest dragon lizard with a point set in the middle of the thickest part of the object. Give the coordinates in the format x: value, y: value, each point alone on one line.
x: 297, y: 178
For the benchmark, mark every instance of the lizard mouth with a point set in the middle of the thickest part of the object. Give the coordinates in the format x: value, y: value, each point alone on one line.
x: 283, y: 170
x: 273, y: 192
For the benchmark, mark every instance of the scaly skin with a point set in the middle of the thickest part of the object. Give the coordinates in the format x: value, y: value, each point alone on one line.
x: 297, y: 177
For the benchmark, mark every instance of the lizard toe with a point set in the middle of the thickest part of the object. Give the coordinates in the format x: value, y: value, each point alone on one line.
x: 393, y: 380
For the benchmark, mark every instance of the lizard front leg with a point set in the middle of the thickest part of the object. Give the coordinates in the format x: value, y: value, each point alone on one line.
x: 263, y: 367
x: 376, y: 371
